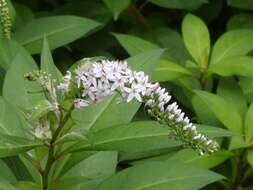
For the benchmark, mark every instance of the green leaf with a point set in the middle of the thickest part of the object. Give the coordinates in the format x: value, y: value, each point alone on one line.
x: 219, y: 106
x: 99, y: 116
x: 26, y: 185
x: 169, y: 71
x: 240, y: 21
x: 206, y: 161
x: 136, y: 136
x: 15, y: 83
x: 133, y: 44
x: 117, y: 7
x: 229, y: 89
x: 11, y: 121
x: 197, y: 39
x: 240, y: 65
x: 248, y: 125
x: 13, y: 145
x: 179, y: 4
x: 47, y: 63
x: 59, y: 30
x: 250, y: 157
x: 232, y: 43
x: 97, y: 165
x: 94, y: 169
x: 41, y: 109
x: 246, y: 85
x: 160, y: 175
x: 245, y: 4
x: 214, y: 132
x: 6, y: 173
x: 4, y: 185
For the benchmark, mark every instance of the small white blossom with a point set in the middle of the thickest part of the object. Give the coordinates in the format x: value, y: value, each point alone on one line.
x: 64, y: 85
x: 102, y: 78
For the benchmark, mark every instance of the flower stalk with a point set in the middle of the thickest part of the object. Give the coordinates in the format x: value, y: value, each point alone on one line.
x: 5, y: 19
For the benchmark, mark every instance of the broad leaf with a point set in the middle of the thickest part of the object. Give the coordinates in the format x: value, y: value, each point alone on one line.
x: 117, y: 6
x: 13, y: 145
x: 160, y: 175
x: 232, y: 43
x: 229, y: 89
x: 59, y: 30
x: 206, y: 161
x: 241, y: 65
x: 6, y: 173
x: 137, y: 136
x: 169, y: 71
x: 134, y: 45
x: 245, y: 4
x: 248, y: 125
x: 47, y: 63
x: 179, y: 4
x: 15, y: 83
x: 219, y: 106
x: 196, y: 39
x: 214, y: 132
x: 240, y: 21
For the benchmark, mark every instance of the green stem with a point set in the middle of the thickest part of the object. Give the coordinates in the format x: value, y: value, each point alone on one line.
x: 51, y: 157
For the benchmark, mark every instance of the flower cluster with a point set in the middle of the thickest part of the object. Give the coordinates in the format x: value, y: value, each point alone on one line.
x: 5, y: 19
x: 102, y: 78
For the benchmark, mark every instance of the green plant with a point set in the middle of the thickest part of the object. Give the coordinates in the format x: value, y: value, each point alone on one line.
x: 107, y: 125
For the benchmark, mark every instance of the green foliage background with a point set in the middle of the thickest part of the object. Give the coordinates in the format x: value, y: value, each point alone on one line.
x: 200, y: 50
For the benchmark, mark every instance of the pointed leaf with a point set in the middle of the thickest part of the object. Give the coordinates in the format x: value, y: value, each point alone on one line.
x: 224, y: 111
x: 197, y: 39
x: 160, y: 175
x: 59, y: 30
x: 232, y: 43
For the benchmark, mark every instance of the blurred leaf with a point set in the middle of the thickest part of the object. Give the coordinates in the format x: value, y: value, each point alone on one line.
x: 250, y: 157
x: 168, y: 71
x: 26, y: 185
x: 232, y: 43
x: 245, y: 4
x: 197, y: 39
x: 11, y: 122
x: 180, y: 4
x: 160, y: 175
x: 239, y: 65
x: 219, y: 106
x: 240, y: 21
x: 117, y: 6
x: 173, y: 42
x: 206, y: 161
x: 95, y: 10
x: 215, y: 132
x: 134, y: 45
x: 136, y: 136
x: 4, y: 185
x: 229, y: 89
x: 24, y: 15
x: 6, y: 173
x: 248, y: 126
x: 246, y: 85
x: 47, y: 62
x: 15, y: 83
x: 13, y: 145
x: 58, y: 33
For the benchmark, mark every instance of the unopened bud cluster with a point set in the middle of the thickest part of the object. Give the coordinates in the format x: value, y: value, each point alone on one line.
x: 5, y: 19
x: 102, y: 78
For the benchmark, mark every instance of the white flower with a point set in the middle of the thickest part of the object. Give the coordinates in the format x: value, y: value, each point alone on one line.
x: 80, y: 103
x: 102, y: 78
x: 64, y: 85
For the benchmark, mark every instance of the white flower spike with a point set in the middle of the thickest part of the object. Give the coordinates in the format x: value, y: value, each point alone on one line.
x: 102, y: 78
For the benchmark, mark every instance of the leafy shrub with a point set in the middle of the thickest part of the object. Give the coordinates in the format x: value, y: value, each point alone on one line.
x: 73, y: 117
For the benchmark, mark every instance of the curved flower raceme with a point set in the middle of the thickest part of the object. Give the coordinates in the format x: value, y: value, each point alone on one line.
x: 5, y: 19
x: 102, y: 78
